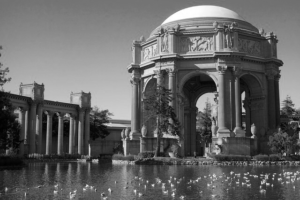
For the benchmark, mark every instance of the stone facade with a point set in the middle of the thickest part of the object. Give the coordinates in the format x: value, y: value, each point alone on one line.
x: 225, y: 55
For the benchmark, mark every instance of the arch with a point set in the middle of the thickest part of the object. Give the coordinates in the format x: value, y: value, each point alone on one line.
x: 248, y: 77
x: 195, y: 73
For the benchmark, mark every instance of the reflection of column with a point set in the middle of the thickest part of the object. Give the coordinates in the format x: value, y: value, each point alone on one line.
x: 32, y: 127
x: 49, y: 133
x: 80, y: 131
x: 39, y: 128
x: 22, y: 132
x: 271, y: 99
x: 60, y: 133
x: 135, y: 127
x: 87, y: 132
x: 171, y: 86
x: 223, y: 130
x: 239, y: 132
x: 277, y: 99
x: 71, y: 135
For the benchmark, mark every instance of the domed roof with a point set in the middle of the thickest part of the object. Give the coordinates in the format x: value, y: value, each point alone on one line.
x: 204, y: 11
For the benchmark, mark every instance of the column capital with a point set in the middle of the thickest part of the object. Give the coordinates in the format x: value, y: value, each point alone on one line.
x: 237, y: 71
x: 49, y: 113
x: 222, y: 69
x: 271, y: 74
x: 277, y: 77
x: 135, y: 80
x: 170, y: 71
x: 22, y: 109
x: 60, y: 114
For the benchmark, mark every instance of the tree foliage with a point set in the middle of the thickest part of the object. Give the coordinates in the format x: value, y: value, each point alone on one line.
x: 9, y: 126
x: 280, y: 142
x: 287, y: 106
x: 157, y: 107
x: 204, y: 123
x: 98, y: 119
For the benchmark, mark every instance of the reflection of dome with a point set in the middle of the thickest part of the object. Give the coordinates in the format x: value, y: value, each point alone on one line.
x: 203, y: 12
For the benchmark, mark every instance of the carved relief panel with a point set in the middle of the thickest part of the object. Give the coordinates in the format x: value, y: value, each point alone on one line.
x: 196, y: 44
x: 250, y: 47
x: 149, y: 52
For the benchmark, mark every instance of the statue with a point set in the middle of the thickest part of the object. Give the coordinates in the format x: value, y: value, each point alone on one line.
x: 214, y: 118
x: 164, y: 45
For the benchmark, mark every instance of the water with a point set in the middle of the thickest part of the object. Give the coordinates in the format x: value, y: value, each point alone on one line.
x: 38, y: 180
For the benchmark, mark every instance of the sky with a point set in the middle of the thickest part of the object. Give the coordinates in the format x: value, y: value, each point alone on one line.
x: 85, y: 45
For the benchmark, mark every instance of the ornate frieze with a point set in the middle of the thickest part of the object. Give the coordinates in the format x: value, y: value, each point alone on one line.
x: 249, y: 46
x: 196, y: 44
x: 150, y: 52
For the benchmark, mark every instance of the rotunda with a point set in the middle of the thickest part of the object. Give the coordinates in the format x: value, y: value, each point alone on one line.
x: 205, y: 49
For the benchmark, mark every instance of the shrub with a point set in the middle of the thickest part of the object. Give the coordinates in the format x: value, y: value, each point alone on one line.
x: 222, y: 157
x: 274, y: 157
x: 10, y: 160
x: 261, y: 157
x: 295, y: 157
x: 146, y: 154
x: 122, y: 157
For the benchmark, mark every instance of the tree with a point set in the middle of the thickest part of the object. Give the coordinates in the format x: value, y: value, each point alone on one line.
x: 204, y: 123
x: 287, y: 106
x: 9, y: 126
x: 280, y: 142
x: 98, y: 119
x: 157, y: 107
x: 287, y: 110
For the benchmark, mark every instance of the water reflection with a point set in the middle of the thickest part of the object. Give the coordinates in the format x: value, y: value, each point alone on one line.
x: 38, y: 181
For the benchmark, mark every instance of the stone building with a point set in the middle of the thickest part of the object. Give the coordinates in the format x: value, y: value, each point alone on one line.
x: 30, y: 105
x: 210, y: 49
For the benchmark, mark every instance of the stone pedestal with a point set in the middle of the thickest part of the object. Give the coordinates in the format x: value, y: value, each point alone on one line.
x: 239, y: 132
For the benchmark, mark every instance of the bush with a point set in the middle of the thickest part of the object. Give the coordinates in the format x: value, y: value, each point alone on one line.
x: 122, y: 157
x: 10, y: 160
x: 146, y: 154
x: 221, y: 157
x: 274, y: 157
x: 261, y: 157
x: 295, y: 157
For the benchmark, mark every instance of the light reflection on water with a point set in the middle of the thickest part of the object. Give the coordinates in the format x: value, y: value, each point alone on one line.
x: 72, y: 176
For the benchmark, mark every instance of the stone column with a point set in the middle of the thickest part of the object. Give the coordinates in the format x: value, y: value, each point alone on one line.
x: 271, y: 100
x: 32, y: 127
x: 71, y: 135
x: 223, y: 130
x: 22, y: 131
x: 193, y: 139
x: 39, y: 128
x: 277, y: 99
x: 87, y: 132
x: 26, y: 136
x: 75, y: 138
x: 80, y: 131
x: 171, y: 86
x: 60, y: 136
x: 135, y: 126
x: 49, y: 133
x: 239, y: 132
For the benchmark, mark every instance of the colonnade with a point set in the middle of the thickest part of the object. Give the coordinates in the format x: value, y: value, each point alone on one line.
x: 31, y: 130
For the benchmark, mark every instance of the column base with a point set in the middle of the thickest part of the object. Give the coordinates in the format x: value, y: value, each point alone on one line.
x: 223, y: 132
x: 134, y: 135
x: 239, y: 132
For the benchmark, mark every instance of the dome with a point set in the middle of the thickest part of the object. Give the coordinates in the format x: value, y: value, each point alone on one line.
x: 203, y: 12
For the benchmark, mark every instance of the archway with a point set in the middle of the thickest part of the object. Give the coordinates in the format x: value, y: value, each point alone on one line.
x: 253, y: 102
x: 193, y: 89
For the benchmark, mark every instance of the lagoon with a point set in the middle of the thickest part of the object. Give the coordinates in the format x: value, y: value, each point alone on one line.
x: 38, y: 181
